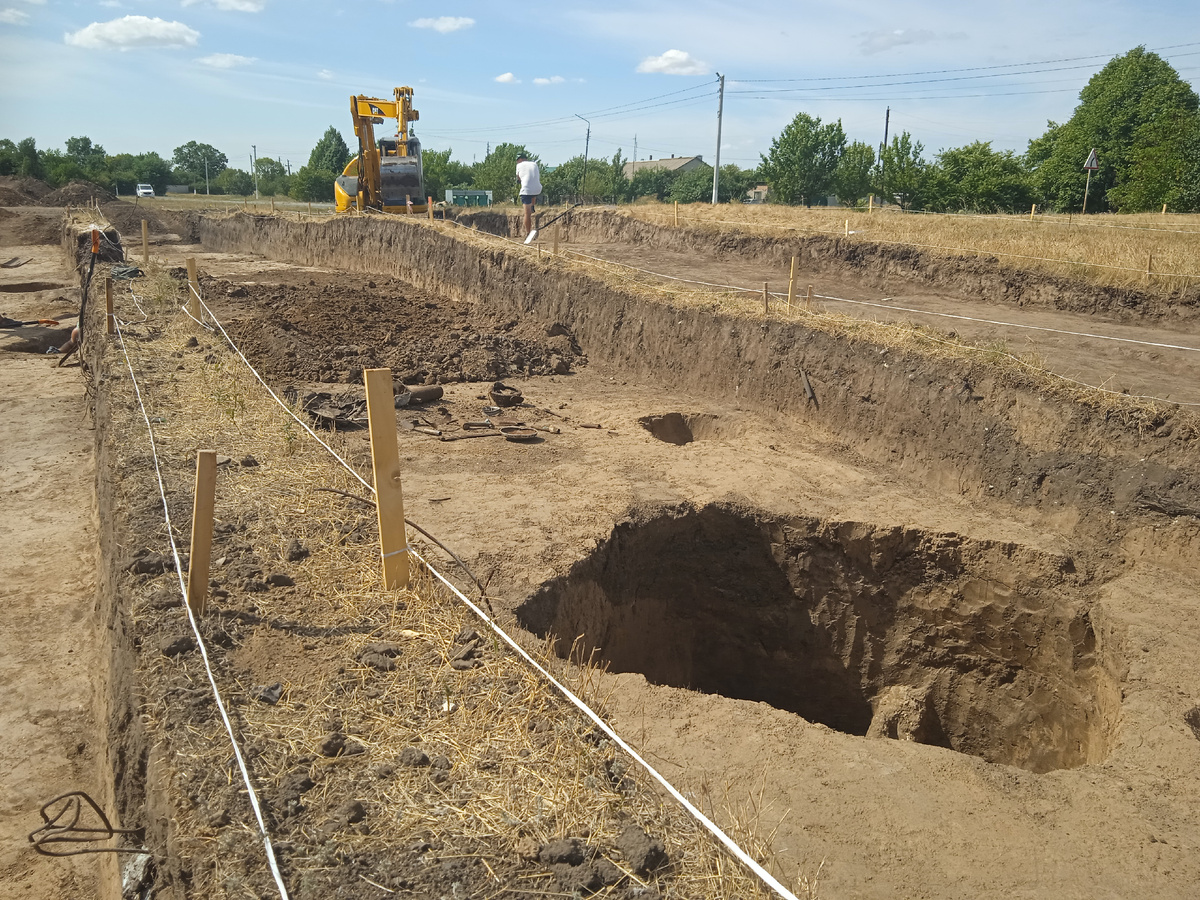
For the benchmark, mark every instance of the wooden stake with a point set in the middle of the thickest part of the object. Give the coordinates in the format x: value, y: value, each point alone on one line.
x: 847, y: 228
x: 1149, y: 261
x: 556, y: 239
x: 193, y: 302
x: 108, y: 303
x: 385, y: 459
x: 272, y: 206
x: 310, y: 207
x: 429, y: 206
x: 766, y: 299
x: 676, y: 213
x: 1164, y: 209
x: 870, y: 203
x: 1032, y: 210
x: 202, y: 530
x: 808, y: 297
x: 245, y: 204
x: 145, y: 243
x: 792, y: 284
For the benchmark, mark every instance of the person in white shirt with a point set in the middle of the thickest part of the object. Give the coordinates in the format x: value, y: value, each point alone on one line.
x: 531, y: 186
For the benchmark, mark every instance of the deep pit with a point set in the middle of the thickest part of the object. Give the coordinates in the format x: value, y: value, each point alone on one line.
x: 677, y: 428
x: 989, y: 649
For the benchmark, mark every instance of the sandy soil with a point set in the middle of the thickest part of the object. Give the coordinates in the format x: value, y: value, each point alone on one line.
x: 49, y: 645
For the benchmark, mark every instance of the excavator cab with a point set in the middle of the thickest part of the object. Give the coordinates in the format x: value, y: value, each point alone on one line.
x: 386, y: 175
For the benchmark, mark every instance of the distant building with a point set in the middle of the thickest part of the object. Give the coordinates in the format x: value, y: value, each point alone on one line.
x: 757, y: 194
x: 669, y: 164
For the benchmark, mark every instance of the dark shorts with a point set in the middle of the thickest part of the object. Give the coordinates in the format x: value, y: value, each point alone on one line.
x: 529, y: 199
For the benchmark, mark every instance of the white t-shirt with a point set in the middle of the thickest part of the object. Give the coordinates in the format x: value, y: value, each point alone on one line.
x: 531, y: 178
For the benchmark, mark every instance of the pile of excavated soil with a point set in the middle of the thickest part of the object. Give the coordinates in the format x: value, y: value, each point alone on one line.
x: 331, y: 331
x: 20, y: 190
x: 77, y: 193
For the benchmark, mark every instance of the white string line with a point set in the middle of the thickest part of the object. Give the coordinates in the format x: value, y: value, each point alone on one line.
x: 237, y: 752
x: 729, y: 843
x: 708, y: 824
x: 1068, y: 262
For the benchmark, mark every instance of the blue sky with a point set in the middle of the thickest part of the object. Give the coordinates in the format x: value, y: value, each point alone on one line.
x: 138, y: 75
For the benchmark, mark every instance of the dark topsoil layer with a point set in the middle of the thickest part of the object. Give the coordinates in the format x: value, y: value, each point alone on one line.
x: 983, y: 277
x: 331, y: 328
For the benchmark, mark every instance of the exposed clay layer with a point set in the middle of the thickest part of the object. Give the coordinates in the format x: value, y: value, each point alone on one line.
x: 988, y: 649
x: 954, y: 423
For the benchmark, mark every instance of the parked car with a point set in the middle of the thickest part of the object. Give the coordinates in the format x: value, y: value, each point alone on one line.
x: 145, y: 190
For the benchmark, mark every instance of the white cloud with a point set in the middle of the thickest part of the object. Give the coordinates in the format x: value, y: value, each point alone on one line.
x: 133, y: 31
x: 326, y: 74
x: 674, y: 62
x: 13, y: 17
x: 879, y: 41
x: 232, y: 5
x: 444, y: 24
x: 507, y: 78
x: 112, y: 4
x: 553, y: 79
x: 225, y: 60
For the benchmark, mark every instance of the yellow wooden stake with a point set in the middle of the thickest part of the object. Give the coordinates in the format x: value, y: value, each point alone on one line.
x: 310, y: 207
x: 272, y: 206
x: 385, y: 459
x: 847, y: 228
x: 808, y: 297
x: 108, y: 304
x: 202, y: 528
x: 429, y: 206
x: 766, y: 298
x: 1164, y: 209
x: 193, y: 302
x: 870, y: 203
x: 145, y: 243
x: 1149, y: 262
x: 1032, y: 210
x: 792, y: 284
x: 676, y: 213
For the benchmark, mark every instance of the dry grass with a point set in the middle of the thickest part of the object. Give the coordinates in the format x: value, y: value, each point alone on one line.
x: 523, y: 766
x: 1102, y: 249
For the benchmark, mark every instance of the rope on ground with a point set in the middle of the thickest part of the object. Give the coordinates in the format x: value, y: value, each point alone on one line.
x: 272, y: 862
x: 708, y: 824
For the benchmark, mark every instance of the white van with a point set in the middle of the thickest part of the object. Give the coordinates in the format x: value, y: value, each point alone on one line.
x: 145, y: 190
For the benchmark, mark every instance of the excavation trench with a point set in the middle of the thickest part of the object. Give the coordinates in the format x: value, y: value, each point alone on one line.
x: 988, y: 649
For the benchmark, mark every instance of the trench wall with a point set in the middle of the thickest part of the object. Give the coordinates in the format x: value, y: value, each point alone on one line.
x: 960, y: 426
x: 973, y: 276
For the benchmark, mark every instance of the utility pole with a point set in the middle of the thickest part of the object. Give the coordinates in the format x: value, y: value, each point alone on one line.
x: 635, y: 148
x: 206, y: 176
x: 254, y: 167
x: 720, y: 107
x: 289, y: 162
x: 586, y: 142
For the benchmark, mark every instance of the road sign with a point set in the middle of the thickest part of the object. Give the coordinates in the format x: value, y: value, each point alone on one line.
x: 1092, y: 163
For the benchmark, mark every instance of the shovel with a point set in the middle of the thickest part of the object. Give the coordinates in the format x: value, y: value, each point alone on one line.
x: 532, y: 236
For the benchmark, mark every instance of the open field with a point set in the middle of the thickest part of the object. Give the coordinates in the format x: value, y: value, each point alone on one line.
x: 907, y: 612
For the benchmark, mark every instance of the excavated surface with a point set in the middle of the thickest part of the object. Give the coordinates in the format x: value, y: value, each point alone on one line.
x: 984, y: 648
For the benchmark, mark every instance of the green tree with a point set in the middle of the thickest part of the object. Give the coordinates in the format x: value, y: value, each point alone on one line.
x: 801, y: 163
x: 330, y: 154
x: 976, y: 177
x: 190, y: 159
x: 273, y: 178
x: 854, y: 174
x: 1121, y: 113
x: 651, y: 183
x: 58, y: 168
x: 311, y: 184
x: 28, y: 160
x: 236, y: 181
x: 442, y: 172
x: 1164, y: 167
x: 150, y: 168
x: 902, y: 171
x: 89, y: 157
x: 693, y: 187
x: 497, y: 172
x: 9, y: 158
x: 734, y: 184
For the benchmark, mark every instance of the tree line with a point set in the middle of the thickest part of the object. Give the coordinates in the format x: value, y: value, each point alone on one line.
x: 1137, y: 113
x: 1140, y: 116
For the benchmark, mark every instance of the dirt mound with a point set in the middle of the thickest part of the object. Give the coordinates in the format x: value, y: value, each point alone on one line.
x: 19, y: 190
x: 330, y: 332
x: 77, y: 193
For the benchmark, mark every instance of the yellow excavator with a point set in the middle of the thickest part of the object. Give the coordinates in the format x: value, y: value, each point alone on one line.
x: 386, y: 175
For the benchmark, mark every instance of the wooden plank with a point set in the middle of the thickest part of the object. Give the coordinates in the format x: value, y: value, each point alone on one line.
x: 792, y: 284
x: 193, y: 301
x: 145, y: 243
x: 385, y: 460
x: 202, y: 530
x: 108, y: 319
